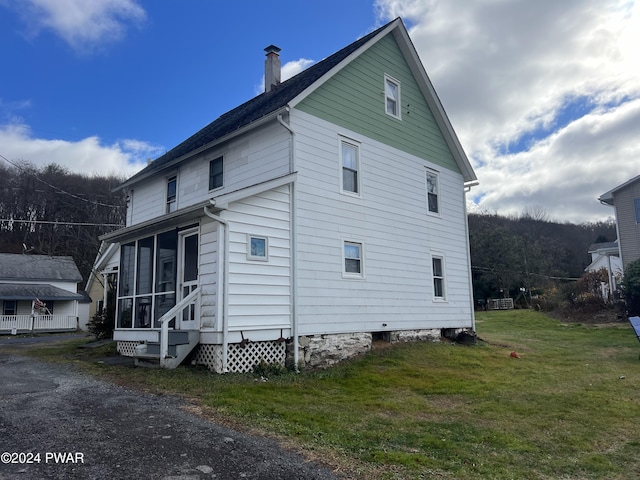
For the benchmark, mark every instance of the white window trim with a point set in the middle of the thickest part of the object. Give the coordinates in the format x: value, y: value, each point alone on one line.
x: 438, y: 195
x: 443, y: 263
x: 389, y: 78
x: 209, y: 173
x: 354, y: 143
x: 266, y: 248
x: 166, y: 193
x: 352, y: 275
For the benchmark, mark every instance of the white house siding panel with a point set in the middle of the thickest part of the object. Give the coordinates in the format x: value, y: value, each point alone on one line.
x: 208, y: 274
x: 628, y: 227
x: 248, y: 160
x: 259, y: 157
x: 399, y: 238
x: 260, y: 291
x: 148, y: 200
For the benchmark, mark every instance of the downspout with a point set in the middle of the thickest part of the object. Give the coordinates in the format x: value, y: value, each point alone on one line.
x: 224, y: 274
x: 465, y: 190
x: 610, y: 275
x: 292, y: 243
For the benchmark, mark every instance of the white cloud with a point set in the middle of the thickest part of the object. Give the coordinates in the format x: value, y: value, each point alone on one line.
x: 88, y: 155
x: 83, y: 24
x: 505, y: 69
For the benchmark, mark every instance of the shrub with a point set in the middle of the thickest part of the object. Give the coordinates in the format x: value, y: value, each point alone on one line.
x: 102, y: 325
x: 631, y: 288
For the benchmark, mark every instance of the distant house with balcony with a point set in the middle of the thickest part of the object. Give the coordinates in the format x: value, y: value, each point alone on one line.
x: 40, y: 293
x: 606, y: 256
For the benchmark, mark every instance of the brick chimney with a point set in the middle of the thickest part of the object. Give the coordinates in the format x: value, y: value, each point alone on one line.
x: 271, y: 68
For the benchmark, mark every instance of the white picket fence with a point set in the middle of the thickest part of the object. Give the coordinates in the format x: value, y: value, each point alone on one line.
x: 14, y: 324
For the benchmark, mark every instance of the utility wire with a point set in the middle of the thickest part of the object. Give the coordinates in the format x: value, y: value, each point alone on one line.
x: 493, y: 270
x: 16, y: 165
x: 48, y: 222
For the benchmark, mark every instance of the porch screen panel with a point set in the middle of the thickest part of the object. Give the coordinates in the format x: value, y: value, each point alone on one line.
x: 127, y: 269
x: 125, y: 312
x: 145, y: 266
x: 167, y: 257
x: 191, y: 258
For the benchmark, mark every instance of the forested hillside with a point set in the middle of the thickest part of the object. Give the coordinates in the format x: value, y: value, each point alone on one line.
x: 50, y: 211
x: 508, y: 253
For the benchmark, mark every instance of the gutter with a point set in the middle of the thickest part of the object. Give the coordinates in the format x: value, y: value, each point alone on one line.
x: 465, y: 190
x: 292, y: 242
x: 224, y: 277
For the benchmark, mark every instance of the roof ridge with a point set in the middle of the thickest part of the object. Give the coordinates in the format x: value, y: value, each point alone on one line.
x: 255, y: 108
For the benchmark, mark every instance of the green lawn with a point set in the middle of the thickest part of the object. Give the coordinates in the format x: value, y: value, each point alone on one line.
x: 568, y: 408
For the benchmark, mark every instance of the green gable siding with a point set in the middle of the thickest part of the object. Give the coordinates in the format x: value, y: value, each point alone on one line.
x: 354, y: 99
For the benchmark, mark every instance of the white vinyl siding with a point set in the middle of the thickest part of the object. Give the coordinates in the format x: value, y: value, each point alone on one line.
x: 391, y: 222
x: 264, y: 156
x: 259, y: 291
x: 628, y: 226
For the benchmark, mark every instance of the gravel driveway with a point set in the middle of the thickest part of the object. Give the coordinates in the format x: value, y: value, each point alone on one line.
x: 72, y: 426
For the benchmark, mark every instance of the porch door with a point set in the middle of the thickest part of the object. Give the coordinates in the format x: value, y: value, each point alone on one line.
x: 188, y: 278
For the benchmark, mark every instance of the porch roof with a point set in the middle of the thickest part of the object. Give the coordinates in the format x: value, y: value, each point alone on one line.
x: 31, y: 291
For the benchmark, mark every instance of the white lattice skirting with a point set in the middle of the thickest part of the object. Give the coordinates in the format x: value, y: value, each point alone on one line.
x: 128, y: 349
x: 241, y: 358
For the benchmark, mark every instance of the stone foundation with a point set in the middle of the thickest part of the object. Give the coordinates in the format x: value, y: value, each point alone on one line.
x: 322, y: 351
x: 430, y: 335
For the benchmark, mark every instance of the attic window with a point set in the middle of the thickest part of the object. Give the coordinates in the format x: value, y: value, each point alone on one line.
x: 636, y: 206
x: 392, y: 96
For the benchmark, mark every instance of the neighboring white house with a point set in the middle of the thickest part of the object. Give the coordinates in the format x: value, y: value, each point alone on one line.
x: 324, y: 213
x: 40, y: 293
x: 606, y: 256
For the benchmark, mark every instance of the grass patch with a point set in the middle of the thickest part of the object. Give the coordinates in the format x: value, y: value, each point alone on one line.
x: 568, y: 408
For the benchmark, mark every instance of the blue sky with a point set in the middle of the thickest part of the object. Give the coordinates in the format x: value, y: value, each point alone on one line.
x: 544, y: 96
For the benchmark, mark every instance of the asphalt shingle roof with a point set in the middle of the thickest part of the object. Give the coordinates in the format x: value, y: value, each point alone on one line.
x: 39, y: 291
x: 256, y: 108
x: 38, y: 268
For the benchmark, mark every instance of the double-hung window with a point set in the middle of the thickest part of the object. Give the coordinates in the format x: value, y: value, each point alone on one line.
x: 433, y: 203
x: 353, y: 265
x: 437, y: 264
x: 216, y: 173
x: 350, y: 157
x: 172, y: 190
x: 392, y: 97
